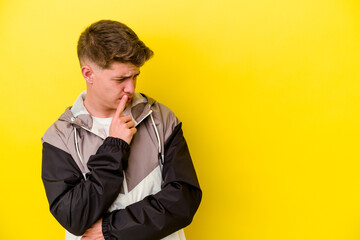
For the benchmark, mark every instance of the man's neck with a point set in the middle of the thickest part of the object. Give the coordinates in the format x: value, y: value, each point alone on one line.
x: 96, y: 110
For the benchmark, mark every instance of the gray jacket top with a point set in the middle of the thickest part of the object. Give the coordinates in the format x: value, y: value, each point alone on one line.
x: 84, y: 173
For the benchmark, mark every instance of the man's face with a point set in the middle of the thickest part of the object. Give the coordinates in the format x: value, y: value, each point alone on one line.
x: 110, y: 85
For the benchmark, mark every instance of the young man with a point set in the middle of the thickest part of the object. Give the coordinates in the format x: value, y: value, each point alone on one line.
x: 116, y: 164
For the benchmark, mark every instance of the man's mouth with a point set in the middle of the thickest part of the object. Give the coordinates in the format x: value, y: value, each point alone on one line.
x: 129, y: 98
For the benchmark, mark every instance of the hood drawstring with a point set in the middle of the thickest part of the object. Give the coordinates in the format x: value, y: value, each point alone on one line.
x: 160, y: 155
x: 77, y: 146
x: 77, y: 149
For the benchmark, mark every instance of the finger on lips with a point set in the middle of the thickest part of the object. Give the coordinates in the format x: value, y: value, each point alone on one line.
x: 121, y: 106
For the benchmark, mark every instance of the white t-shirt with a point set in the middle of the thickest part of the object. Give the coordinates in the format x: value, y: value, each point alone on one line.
x: 101, y: 126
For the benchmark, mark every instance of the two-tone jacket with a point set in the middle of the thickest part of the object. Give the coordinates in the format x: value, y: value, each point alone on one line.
x: 145, y: 190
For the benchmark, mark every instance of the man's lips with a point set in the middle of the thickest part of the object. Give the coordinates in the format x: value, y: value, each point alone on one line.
x: 129, y: 99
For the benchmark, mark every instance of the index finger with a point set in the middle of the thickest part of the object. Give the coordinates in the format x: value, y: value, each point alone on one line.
x: 121, y: 106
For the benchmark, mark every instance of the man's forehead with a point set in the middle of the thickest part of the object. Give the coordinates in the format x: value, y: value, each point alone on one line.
x: 123, y: 66
x: 123, y: 69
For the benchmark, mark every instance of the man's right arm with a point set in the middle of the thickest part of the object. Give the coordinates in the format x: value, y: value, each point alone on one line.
x: 77, y: 202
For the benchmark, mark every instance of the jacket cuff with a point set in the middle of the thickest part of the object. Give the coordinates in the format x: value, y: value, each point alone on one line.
x: 105, y: 226
x: 117, y: 142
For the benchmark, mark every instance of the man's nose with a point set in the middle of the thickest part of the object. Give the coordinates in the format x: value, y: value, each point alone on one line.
x: 130, y: 86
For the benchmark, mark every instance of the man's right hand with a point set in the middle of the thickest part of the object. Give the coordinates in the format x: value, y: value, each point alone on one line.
x: 122, y: 127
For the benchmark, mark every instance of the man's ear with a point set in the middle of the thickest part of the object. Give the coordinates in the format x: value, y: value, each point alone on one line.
x: 87, y: 73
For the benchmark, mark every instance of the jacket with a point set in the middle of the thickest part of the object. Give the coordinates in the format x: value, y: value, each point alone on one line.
x: 145, y: 190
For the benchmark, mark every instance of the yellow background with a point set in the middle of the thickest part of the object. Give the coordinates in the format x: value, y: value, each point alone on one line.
x: 268, y: 92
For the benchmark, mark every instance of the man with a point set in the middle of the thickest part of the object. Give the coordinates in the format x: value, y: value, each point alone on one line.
x: 116, y: 164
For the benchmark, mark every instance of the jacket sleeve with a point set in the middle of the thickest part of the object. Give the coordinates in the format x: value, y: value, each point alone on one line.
x: 77, y: 202
x: 171, y: 209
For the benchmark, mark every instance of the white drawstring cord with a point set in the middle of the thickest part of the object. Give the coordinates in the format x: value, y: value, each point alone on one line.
x: 76, y: 145
x: 77, y: 149
x: 161, y: 157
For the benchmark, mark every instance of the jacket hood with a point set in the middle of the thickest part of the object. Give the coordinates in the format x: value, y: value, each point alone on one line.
x: 78, y: 116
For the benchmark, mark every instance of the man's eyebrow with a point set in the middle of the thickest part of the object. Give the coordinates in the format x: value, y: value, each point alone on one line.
x: 124, y: 77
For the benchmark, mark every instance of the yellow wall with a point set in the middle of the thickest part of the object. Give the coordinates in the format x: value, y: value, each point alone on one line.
x: 269, y: 93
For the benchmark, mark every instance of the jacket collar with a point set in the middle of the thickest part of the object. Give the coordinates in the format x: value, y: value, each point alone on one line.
x: 78, y: 115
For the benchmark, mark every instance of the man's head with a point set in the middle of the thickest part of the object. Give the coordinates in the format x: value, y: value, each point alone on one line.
x: 110, y: 55
x: 107, y: 41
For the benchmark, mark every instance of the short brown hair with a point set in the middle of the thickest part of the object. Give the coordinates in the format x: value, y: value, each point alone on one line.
x: 107, y: 41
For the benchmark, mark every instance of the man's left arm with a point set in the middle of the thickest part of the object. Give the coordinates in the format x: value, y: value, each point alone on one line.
x: 171, y: 209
